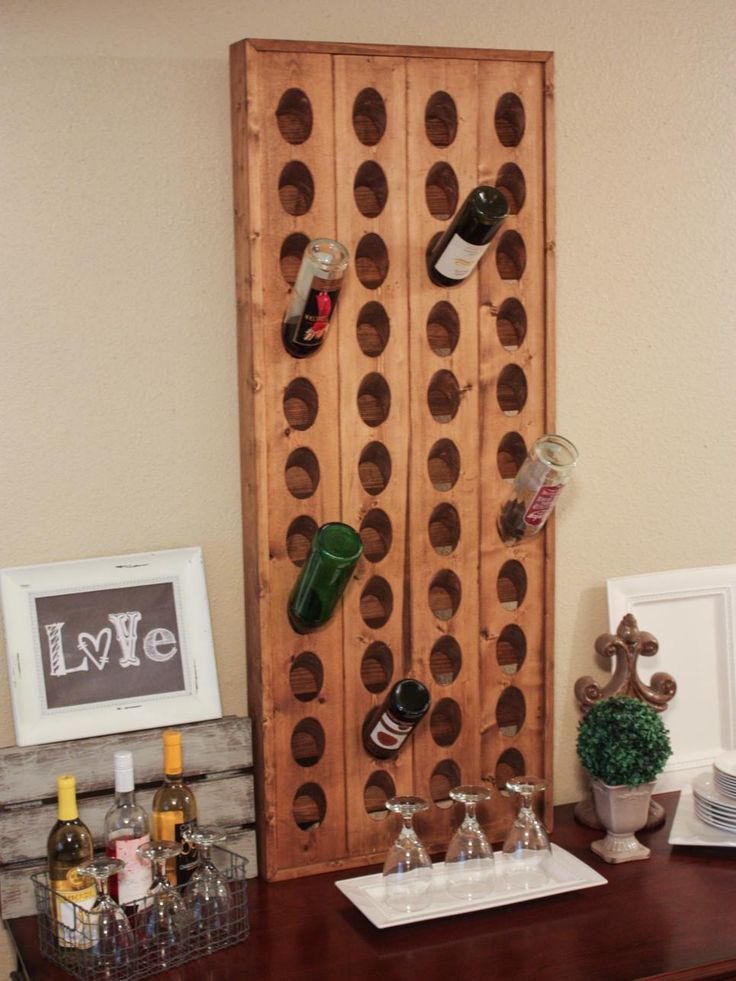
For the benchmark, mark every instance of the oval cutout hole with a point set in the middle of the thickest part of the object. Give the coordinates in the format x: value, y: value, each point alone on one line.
x: 440, y: 119
x: 510, y: 764
x: 307, y: 742
x: 309, y: 806
x: 441, y: 191
x: 374, y: 468
x: 379, y: 788
x: 443, y: 396
x: 373, y: 329
x: 509, y: 119
x: 510, y: 455
x: 370, y: 189
x: 376, y: 534
x: 511, y: 390
x: 443, y: 465
x: 299, y: 537
x: 445, y: 593
x: 294, y: 116
x: 444, y: 529
x: 290, y: 258
x: 511, y: 649
x: 510, y: 711
x: 376, y: 603
x: 306, y: 676
x: 511, y: 256
x: 510, y: 182
x: 376, y: 667
x: 511, y: 324
x: 301, y: 404
x: 369, y: 116
x: 374, y: 399
x: 296, y: 188
x: 371, y: 261
x: 445, y: 776
x: 302, y: 473
x: 443, y: 329
x: 445, y: 660
x: 445, y: 722
x: 511, y: 585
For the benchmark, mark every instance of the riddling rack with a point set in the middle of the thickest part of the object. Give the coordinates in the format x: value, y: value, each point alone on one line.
x: 408, y: 424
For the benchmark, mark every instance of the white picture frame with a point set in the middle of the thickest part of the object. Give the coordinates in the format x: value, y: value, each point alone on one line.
x: 108, y: 645
x: 692, y: 613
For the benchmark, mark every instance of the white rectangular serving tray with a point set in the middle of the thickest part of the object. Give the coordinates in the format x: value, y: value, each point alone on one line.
x: 560, y: 873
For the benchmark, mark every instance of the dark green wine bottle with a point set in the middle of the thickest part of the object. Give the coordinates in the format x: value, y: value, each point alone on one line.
x: 335, y: 550
x: 467, y: 237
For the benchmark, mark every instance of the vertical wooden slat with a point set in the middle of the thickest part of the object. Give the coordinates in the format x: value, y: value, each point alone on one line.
x: 368, y: 827
x: 510, y: 699
x: 454, y: 751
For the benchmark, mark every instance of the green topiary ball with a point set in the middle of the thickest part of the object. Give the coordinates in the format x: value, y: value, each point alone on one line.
x: 623, y: 741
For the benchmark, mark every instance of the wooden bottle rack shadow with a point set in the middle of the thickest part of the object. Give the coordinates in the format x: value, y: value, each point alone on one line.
x: 408, y: 425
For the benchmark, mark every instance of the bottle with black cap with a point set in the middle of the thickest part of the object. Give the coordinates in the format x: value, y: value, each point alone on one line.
x: 469, y: 234
x: 387, y: 729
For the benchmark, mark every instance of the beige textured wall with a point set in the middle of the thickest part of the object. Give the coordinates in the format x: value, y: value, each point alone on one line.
x: 118, y: 395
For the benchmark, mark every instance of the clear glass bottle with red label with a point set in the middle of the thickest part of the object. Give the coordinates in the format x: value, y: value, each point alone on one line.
x: 314, y: 297
x: 387, y: 728
x: 536, y: 489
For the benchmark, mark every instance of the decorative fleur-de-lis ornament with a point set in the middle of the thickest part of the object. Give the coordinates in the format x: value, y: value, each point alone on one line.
x: 626, y: 646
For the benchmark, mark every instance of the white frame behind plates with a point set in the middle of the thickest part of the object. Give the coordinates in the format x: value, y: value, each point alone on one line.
x: 692, y: 613
x: 34, y: 722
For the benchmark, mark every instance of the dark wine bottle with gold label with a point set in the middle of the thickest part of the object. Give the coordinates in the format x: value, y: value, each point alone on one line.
x: 469, y: 234
x: 314, y: 297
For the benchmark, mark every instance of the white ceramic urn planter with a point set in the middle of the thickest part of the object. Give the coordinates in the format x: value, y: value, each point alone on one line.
x: 621, y: 810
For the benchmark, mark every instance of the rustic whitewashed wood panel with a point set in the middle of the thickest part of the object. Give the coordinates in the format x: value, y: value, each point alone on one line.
x: 226, y: 802
x: 16, y: 887
x: 29, y: 772
x: 216, y: 754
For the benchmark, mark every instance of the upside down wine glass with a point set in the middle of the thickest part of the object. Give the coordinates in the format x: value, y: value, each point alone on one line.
x: 527, y: 843
x: 407, y: 871
x: 165, y: 921
x: 110, y: 933
x: 469, y: 856
x: 207, y: 894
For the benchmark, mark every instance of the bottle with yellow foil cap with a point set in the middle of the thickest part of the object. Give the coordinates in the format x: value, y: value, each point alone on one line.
x: 69, y: 846
x: 175, y: 810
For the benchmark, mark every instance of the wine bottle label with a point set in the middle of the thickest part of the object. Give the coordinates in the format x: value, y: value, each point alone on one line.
x: 170, y: 826
x: 310, y: 329
x: 459, y: 258
x: 389, y: 733
x: 541, y: 504
x: 187, y: 861
x: 72, y: 926
x: 134, y: 880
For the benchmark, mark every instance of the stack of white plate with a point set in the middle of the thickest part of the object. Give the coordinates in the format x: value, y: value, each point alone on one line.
x: 712, y: 806
x: 724, y: 774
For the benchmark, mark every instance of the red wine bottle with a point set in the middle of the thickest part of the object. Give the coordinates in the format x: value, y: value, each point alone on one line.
x: 387, y: 729
x: 313, y: 301
x: 467, y: 237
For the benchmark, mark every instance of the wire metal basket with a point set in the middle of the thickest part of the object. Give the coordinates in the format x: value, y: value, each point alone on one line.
x: 81, y: 951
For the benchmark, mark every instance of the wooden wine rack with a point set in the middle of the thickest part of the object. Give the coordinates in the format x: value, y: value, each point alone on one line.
x: 408, y: 424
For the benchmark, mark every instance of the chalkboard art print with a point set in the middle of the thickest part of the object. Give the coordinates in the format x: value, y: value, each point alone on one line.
x: 99, y: 646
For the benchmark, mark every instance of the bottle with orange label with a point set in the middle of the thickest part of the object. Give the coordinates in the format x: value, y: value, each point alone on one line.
x: 69, y: 846
x: 175, y: 810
